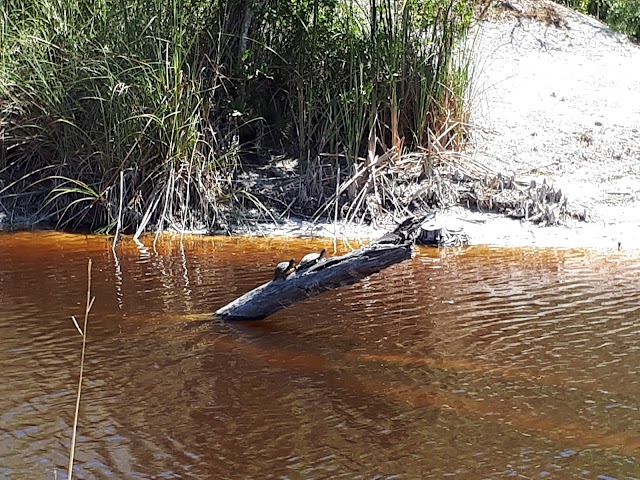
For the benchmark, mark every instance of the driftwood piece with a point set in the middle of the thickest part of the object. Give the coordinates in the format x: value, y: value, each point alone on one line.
x: 331, y: 273
x: 434, y: 233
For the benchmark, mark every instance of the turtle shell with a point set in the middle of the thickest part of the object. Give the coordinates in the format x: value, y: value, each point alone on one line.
x: 283, y: 269
x: 311, y: 259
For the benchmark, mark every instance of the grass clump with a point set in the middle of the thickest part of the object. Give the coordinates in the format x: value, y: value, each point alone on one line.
x: 134, y: 114
x: 89, y: 90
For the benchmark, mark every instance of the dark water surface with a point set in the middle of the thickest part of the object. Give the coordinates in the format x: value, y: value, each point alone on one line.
x: 482, y: 363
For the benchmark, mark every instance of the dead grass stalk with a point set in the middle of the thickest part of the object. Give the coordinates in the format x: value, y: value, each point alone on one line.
x: 83, y: 332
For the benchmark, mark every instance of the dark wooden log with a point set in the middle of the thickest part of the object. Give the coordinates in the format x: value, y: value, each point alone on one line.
x: 331, y: 273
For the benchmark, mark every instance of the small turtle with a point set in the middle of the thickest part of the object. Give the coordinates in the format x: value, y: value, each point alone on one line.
x: 283, y: 269
x: 311, y: 259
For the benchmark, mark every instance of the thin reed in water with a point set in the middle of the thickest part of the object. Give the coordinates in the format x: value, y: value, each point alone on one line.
x: 83, y: 332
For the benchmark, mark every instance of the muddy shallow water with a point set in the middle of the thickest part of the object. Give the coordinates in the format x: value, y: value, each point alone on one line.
x: 482, y: 363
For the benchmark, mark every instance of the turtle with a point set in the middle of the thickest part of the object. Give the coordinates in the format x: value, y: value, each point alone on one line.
x: 283, y: 269
x: 311, y: 259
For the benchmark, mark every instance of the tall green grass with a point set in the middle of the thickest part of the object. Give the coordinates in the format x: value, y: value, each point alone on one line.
x: 165, y: 93
x: 621, y: 15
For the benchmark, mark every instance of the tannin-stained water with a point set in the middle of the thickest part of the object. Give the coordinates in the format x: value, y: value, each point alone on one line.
x: 480, y: 363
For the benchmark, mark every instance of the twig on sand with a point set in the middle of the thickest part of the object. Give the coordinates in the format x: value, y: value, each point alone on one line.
x: 83, y: 332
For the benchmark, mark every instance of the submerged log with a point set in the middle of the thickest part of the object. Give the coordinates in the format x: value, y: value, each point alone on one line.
x: 326, y: 275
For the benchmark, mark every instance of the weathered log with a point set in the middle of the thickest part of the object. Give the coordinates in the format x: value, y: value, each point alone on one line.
x: 331, y: 273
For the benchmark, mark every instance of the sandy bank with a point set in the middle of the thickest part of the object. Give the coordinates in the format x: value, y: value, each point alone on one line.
x: 560, y: 102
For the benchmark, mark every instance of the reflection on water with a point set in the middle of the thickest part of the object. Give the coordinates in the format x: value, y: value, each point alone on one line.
x: 482, y: 363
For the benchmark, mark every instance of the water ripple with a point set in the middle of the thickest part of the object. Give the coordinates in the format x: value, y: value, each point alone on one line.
x: 481, y: 363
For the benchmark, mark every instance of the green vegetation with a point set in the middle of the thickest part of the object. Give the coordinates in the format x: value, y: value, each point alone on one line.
x: 622, y: 15
x: 130, y: 114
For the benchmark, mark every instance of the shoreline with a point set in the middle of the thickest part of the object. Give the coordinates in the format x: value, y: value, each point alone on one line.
x: 483, y: 229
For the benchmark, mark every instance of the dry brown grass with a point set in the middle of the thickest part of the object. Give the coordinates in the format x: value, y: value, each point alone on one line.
x: 539, y: 10
x: 83, y: 332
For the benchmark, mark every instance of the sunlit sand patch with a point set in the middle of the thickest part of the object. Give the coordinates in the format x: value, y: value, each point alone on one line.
x: 463, y: 366
x: 451, y: 364
x: 501, y: 412
x: 627, y: 443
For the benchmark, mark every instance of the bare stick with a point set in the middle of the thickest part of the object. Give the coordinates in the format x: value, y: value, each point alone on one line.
x: 84, y: 344
x: 119, y: 224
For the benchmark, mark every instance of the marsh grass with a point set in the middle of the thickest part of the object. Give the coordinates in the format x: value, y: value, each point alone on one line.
x: 95, y: 93
x: 130, y: 115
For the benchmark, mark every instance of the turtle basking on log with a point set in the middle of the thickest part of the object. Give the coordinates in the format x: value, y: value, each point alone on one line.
x: 310, y: 259
x: 343, y: 270
x: 283, y: 269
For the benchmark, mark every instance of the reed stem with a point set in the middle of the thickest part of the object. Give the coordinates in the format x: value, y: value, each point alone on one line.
x: 83, y: 332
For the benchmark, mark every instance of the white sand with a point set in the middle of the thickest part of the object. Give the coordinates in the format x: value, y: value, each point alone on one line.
x: 561, y: 104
